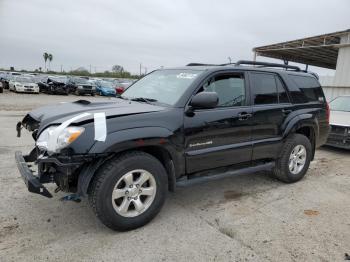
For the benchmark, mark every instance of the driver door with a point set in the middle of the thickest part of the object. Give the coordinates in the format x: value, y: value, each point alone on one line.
x: 220, y: 136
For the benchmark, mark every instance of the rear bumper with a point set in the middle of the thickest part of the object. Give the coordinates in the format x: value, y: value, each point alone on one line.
x: 32, y: 182
x: 60, y: 90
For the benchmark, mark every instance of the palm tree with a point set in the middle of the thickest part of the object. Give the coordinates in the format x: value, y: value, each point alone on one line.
x: 50, y: 57
x: 46, y: 56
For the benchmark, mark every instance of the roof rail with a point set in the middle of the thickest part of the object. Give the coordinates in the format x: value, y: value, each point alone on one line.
x: 266, y: 64
x: 200, y: 64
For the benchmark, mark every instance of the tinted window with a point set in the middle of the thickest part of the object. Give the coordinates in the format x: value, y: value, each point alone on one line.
x: 264, y: 89
x: 309, y: 86
x: 230, y: 90
x: 282, y: 94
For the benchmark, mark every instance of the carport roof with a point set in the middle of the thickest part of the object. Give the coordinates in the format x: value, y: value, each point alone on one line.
x: 321, y: 50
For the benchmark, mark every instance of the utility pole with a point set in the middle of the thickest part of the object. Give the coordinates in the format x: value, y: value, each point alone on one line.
x: 61, y: 69
x: 229, y: 59
x: 140, y: 68
x: 90, y: 69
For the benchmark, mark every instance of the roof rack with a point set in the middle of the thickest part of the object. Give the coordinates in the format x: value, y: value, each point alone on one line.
x: 266, y: 64
x: 247, y: 62
x: 200, y: 64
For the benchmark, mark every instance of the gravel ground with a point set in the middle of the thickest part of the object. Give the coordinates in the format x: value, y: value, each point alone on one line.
x: 243, y: 218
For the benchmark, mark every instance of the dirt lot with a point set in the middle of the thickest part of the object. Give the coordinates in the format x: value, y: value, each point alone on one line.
x: 243, y: 218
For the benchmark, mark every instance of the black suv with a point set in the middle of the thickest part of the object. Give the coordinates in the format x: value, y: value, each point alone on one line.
x: 175, y: 127
x: 81, y: 86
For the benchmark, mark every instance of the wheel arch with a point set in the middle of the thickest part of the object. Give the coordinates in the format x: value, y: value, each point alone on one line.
x: 305, y: 124
x: 152, y: 140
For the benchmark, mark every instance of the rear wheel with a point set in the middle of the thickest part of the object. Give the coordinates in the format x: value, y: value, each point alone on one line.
x: 128, y: 191
x: 295, y: 159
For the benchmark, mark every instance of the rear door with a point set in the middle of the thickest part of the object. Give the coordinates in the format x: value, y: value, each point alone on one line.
x: 220, y: 136
x: 271, y: 107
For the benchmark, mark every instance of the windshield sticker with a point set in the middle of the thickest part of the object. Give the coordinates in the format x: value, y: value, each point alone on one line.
x: 186, y: 75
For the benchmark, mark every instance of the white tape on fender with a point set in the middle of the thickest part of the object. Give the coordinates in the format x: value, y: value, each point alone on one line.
x: 52, y: 143
x: 100, y: 127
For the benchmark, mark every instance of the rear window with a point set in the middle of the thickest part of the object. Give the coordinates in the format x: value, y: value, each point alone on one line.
x: 309, y: 87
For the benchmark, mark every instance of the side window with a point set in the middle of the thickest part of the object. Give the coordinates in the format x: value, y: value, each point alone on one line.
x: 282, y: 94
x: 230, y: 89
x: 264, y: 88
x: 309, y: 87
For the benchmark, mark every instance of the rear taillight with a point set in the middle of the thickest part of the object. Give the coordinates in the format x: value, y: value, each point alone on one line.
x: 119, y: 90
x: 328, y: 113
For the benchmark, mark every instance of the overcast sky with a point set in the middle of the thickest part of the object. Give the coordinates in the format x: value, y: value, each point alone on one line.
x: 155, y: 32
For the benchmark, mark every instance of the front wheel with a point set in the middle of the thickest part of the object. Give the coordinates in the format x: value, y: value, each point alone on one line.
x: 128, y: 191
x: 294, y: 160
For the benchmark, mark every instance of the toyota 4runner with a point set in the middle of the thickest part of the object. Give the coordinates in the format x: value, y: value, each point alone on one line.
x: 174, y: 127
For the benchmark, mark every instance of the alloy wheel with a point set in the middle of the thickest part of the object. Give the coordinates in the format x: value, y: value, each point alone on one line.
x: 297, y: 159
x: 134, y: 193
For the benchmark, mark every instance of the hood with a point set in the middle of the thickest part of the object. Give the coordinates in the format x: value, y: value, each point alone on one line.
x: 56, y: 114
x: 25, y: 83
x: 340, y: 118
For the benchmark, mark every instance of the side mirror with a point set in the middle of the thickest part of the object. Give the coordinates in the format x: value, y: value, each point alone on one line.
x: 204, y: 100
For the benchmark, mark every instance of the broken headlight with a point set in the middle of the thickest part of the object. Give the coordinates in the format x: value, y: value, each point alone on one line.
x: 53, y: 140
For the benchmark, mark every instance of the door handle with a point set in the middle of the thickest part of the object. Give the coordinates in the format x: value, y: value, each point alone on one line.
x: 286, y: 111
x: 244, y: 116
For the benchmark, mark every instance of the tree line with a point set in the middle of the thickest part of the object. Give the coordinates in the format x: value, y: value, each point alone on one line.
x: 117, y: 71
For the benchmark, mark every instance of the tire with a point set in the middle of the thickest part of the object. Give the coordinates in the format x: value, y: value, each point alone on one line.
x: 282, y: 169
x: 77, y: 93
x: 108, y: 177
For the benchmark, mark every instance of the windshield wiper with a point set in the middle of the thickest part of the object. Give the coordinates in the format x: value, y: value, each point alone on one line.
x: 143, y: 99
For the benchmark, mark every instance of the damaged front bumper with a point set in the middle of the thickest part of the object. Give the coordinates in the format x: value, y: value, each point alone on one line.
x: 62, y: 171
x: 33, y: 183
x: 71, y: 174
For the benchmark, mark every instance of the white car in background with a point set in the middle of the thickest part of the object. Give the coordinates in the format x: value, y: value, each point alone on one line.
x: 339, y: 135
x: 24, y: 84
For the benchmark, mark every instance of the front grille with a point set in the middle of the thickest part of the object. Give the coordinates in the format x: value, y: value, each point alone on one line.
x: 339, y: 136
x: 28, y: 86
x: 87, y: 87
x: 339, y: 130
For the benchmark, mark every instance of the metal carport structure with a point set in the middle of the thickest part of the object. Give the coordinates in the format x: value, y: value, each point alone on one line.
x: 330, y: 51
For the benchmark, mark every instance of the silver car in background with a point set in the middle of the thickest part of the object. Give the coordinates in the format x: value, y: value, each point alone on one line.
x: 339, y: 135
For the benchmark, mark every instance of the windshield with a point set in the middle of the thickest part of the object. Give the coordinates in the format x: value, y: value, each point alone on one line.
x: 341, y: 103
x: 165, y: 86
x: 81, y: 81
x: 104, y: 84
x: 58, y: 79
x: 24, y: 79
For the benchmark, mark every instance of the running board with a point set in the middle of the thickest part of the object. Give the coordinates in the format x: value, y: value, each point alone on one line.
x: 244, y: 171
